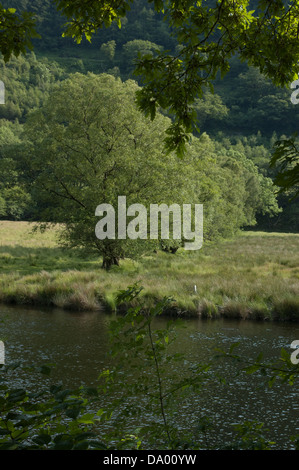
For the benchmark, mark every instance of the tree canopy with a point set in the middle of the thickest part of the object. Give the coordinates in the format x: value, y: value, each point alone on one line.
x: 210, y: 32
x: 88, y: 144
x: 16, y: 32
x: 246, y: 104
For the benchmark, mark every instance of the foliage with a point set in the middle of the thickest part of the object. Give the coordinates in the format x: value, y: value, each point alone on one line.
x: 108, y: 50
x: 210, y: 110
x: 158, y: 378
x: 286, y: 157
x: 250, y: 436
x: 135, y: 49
x: 210, y: 35
x: 54, y: 418
x: 229, y: 183
x: 14, y: 198
x: 28, y: 82
x: 17, y: 32
x: 104, y: 149
x: 246, y: 101
x: 148, y: 350
x: 58, y: 419
x: 251, y: 277
x: 65, y: 419
x: 255, y: 105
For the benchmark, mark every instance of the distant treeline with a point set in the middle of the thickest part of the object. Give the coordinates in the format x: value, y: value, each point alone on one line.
x: 246, y: 113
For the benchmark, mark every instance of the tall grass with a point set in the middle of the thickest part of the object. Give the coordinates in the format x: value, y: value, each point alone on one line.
x: 255, y: 275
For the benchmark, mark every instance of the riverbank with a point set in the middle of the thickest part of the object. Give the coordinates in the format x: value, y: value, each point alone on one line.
x: 254, y: 276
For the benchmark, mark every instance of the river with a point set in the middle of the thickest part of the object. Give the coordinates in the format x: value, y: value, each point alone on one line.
x: 78, y: 343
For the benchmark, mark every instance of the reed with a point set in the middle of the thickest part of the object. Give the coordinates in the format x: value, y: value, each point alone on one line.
x: 253, y: 276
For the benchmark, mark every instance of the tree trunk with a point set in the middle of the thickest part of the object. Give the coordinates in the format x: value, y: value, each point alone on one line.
x: 109, y: 261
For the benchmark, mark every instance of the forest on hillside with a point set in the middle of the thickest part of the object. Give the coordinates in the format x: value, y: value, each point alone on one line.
x: 239, y: 123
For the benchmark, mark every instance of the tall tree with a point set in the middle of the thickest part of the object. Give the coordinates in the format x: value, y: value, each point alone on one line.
x: 210, y: 32
x: 262, y: 33
x: 88, y: 145
x: 14, y: 198
x: 16, y: 32
x: 286, y: 158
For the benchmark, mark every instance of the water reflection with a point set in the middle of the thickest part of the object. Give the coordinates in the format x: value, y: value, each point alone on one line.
x: 78, y: 342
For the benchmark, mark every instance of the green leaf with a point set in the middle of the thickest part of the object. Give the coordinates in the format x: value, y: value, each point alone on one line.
x: 73, y: 412
x: 42, y: 439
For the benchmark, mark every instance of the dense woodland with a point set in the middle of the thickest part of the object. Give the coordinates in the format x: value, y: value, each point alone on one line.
x: 239, y: 124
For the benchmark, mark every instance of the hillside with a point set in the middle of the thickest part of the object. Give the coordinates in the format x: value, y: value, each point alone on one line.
x: 246, y: 111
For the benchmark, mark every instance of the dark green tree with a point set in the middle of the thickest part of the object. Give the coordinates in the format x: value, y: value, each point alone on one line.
x: 286, y: 159
x: 210, y: 33
x: 16, y: 32
x: 88, y: 145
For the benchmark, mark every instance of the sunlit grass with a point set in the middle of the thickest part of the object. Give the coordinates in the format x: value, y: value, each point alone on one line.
x: 256, y: 275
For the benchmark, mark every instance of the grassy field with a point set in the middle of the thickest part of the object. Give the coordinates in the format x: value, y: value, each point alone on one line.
x: 254, y: 276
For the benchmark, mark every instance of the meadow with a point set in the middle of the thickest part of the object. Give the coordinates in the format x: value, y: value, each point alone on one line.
x: 252, y: 276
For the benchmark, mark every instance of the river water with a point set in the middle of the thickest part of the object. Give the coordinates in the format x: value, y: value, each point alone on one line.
x: 77, y: 343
